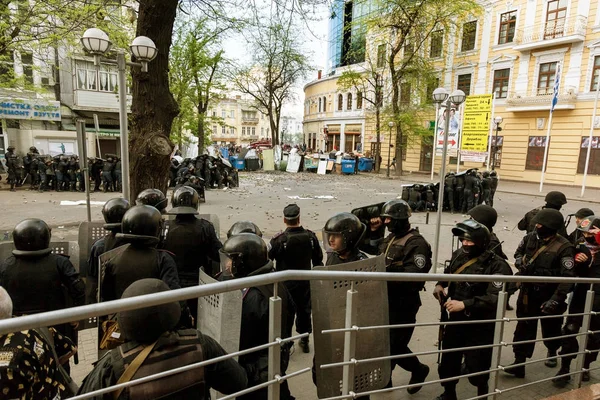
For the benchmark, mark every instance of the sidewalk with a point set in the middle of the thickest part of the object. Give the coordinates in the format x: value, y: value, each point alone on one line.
x: 592, y: 195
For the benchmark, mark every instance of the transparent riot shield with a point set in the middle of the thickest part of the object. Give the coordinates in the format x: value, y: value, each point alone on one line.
x: 329, y: 310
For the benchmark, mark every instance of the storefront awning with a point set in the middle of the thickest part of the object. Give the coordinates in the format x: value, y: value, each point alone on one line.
x: 101, y: 131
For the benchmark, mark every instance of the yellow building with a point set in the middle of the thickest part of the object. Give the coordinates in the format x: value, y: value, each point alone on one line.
x: 513, y: 49
x: 238, y: 122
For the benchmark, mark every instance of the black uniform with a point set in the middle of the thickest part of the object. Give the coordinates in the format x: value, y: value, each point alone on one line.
x: 12, y: 166
x: 137, y: 262
x: 107, y: 171
x: 449, y: 188
x: 62, y: 177
x: 173, y: 349
x: 460, y: 192
x: 480, y: 300
x: 255, y: 332
x: 526, y: 223
x: 556, y: 259
x: 471, y: 192
x: 297, y: 248
x: 486, y: 184
x: 408, y: 253
x: 96, y: 174
x: 493, y: 188
x: 118, y: 176
x: 495, y: 246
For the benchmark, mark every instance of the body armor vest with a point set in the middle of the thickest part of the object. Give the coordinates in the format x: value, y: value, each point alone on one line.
x: 133, y: 264
x: 298, y: 250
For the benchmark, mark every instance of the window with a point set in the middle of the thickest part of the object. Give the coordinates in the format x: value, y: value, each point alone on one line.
x: 86, y: 76
x: 546, y: 78
x: 555, y: 19
x: 594, y: 165
x: 214, y: 129
x: 497, y: 151
x: 535, y: 153
x: 223, y: 130
x: 405, y: 91
x: 214, y: 113
x: 349, y: 101
x: 27, y: 61
x: 108, y: 78
x: 253, y: 131
x: 340, y: 102
x: 359, y: 100
x: 223, y: 113
x: 232, y: 131
x: 595, y: 73
x: 468, y: 36
x: 243, y: 131
x: 464, y: 83
x: 431, y: 86
x: 7, y: 69
x: 104, y: 78
x: 232, y: 114
x: 262, y: 132
x: 437, y: 41
x: 381, y: 56
x: 320, y: 104
x: 324, y: 104
x: 501, y: 78
x: 409, y: 47
x: 508, y: 24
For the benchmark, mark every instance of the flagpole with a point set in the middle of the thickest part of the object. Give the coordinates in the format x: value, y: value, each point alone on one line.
x: 435, y: 139
x: 589, y: 148
x: 491, y: 132
x: 552, y: 105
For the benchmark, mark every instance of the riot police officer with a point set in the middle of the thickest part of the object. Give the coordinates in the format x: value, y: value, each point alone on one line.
x: 469, y: 301
x: 170, y: 349
x: 542, y: 252
x: 96, y: 166
x: 297, y: 248
x: 141, y: 227
x: 587, y: 264
x: 193, y: 241
x: 471, y: 192
x: 576, y: 237
x: 118, y: 175
x: 73, y: 169
x: 488, y: 216
x: 554, y: 200
x: 35, y: 278
x: 107, y: 172
x: 154, y: 198
x: 62, y: 177
x: 406, y: 251
x: 493, y: 186
x: 12, y: 167
x: 244, y: 227
x: 486, y: 187
x: 449, y: 188
x: 343, y: 234
x: 244, y: 255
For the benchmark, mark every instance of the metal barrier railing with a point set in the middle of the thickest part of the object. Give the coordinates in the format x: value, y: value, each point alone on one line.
x: 349, y: 330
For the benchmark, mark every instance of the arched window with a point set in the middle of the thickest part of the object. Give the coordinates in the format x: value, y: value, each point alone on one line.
x: 324, y: 103
x: 359, y: 100
x: 349, y: 102
x: 340, y: 102
x: 319, y: 104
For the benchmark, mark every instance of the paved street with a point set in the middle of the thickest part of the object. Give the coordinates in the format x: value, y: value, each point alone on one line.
x: 261, y: 198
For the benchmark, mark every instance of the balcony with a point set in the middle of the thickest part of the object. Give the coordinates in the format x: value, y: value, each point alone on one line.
x: 249, y: 137
x: 98, y: 101
x: 223, y: 137
x: 551, y: 33
x: 540, y: 100
x: 250, y: 120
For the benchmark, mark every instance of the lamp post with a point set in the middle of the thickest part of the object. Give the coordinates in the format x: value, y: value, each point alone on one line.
x: 497, y: 120
x: 391, y: 125
x: 325, y: 138
x: 440, y: 95
x: 97, y: 43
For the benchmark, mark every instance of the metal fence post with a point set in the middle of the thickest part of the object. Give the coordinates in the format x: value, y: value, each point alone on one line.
x: 274, y: 334
x: 583, y: 339
x: 498, y: 335
x: 349, y: 340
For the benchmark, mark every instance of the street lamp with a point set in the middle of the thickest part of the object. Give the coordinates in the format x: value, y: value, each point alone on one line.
x: 325, y: 138
x: 390, y: 124
x: 497, y: 120
x: 457, y: 97
x: 97, y: 43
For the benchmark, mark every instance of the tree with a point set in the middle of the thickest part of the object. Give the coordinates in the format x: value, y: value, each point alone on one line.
x: 278, y: 64
x: 409, y: 25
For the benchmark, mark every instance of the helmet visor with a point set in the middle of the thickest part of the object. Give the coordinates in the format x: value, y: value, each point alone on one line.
x: 230, y: 263
x: 334, y: 241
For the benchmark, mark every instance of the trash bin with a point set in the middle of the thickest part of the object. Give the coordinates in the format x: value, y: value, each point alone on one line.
x: 239, y: 164
x: 365, y: 164
x: 253, y: 164
x: 348, y: 166
x: 224, y: 152
x: 232, y: 160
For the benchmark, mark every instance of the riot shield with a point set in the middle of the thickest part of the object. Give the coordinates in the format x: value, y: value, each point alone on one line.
x: 89, y: 233
x: 329, y: 309
x: 365, y: 214
x: 220, y: 316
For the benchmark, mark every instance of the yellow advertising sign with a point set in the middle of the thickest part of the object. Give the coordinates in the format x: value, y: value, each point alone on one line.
x: 476, y: 123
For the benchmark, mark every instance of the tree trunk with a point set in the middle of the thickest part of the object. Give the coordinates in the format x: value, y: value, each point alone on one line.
x: 200, y: 133
x: 395, y: 78
x: 153, y: 108
x: 378, y: 130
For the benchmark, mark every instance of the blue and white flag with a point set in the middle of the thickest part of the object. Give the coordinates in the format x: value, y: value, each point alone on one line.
x: 556, y: 87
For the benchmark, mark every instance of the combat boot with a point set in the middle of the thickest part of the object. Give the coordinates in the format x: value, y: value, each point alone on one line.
x: 518, y: 372
x: 562, y: 381
x: 418, y: 376
x: 304, y: 345
x: 447, y: 395
x: 585, y: 376
x: 551, y: 363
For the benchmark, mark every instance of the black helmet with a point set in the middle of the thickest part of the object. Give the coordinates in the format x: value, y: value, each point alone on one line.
x: 583, y: 212
x: 588, y: 223
x: 493, y: 173
x: 243, y: 254
x: 473, y: 231
x: 33, y: 149
x: 141, y: 223
x: 10, y: 148
x: 556, y: 198
x: 486, y: 174
x: 31, y: 237
x: 244, y: 227
x: 550, y: 218
x: 185, y: 201
x: 152, y: 197
x: 113, y: 212
x: 145, y: 325
x: 348, y: 226
x: 396, y: 209
x: 485, y: 215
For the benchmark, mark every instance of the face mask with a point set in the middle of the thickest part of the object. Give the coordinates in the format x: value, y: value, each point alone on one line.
x: 544, y: 233
x: 398, y: 226
x: 591, y: 239
x: 472, y: 250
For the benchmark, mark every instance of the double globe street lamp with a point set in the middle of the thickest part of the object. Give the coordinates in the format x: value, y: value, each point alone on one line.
x: 96, y: 42
x: 497, y: 121
x: 456, y: 98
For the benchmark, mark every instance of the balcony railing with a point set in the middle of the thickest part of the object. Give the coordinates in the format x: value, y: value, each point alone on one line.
x: 541, y: 99
x: 548, y: 33
x: 250, y: 120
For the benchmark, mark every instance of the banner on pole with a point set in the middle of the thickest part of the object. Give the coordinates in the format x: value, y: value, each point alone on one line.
x: 556, y: 87
x: 476, y: 127
x: 453, y: 132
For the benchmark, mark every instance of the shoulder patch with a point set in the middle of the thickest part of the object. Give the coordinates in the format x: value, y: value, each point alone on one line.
x: 278, y: 234
x: 420, y: 261
x: 567, y: 262
x: 497, y: 285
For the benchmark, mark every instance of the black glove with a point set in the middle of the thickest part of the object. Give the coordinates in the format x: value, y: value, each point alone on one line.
x: 550, y: 307
x: 519, y: 264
